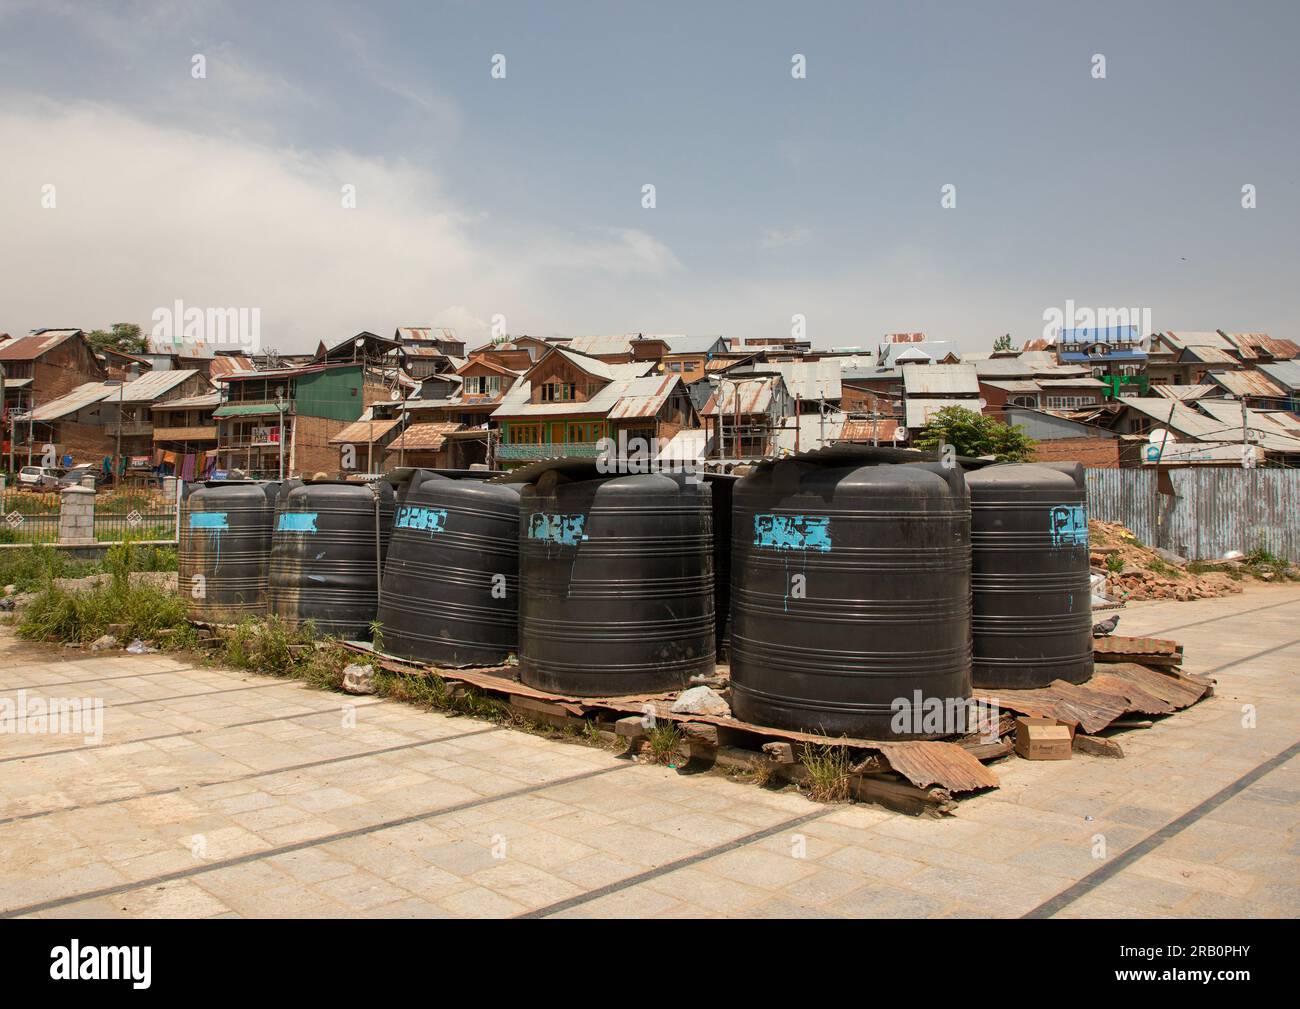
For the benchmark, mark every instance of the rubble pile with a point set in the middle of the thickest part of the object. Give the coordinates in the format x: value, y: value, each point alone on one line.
x: 1135, y: 571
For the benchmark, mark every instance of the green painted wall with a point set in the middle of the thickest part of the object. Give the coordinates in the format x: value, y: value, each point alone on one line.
x: 334, y: 394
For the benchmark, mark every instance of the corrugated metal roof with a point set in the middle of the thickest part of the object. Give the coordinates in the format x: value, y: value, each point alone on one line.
x: 1081, y: 381
x: 363, y: 431
x: 228, y: 364
x: 918, y: 411
x: 588, y: 364
x: 936, y: 350
x: 211, y: 399
x: 1175, y: 415
x: 245, y: 410
x: 428, y: 437
x: 147, y: 388
x: 82, y: 396
x: 1029, y: 386
x: 812, y: 431
x: 858, y: 430
x: 1003, y: 367
x: 686, y: 344
x: 1256, y: 345
x: 28, y: 348
x: 811, y: 380
x: 1208, y: 355
x: 1247, y: 383
x: 645, y: 390
x: 1183, y: 391
x: 1205, y: 338
x: 753, y: 394
x: 1284, y: 373
x: 620, y: 343
x: 643, y: 397
x: 927, y: 379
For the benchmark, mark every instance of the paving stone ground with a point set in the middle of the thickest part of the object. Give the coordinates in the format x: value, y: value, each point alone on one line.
x: 224, y: 794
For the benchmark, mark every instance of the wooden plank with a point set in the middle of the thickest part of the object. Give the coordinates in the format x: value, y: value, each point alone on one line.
x: 1096, y: 745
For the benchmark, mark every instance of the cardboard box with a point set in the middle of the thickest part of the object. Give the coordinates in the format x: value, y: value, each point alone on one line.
x: 1042, y: 738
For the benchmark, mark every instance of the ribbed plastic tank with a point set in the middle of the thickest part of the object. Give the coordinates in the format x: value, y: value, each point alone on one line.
x: 720, y: 487
x: 225, y: 549
x: 1032, y: 604
x: 616, y: 584
x: 451, y: 582
x: 327, y: 553
x: 850, y: 591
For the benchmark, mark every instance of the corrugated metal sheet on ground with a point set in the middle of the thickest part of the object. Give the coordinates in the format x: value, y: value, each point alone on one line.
x: 1115, y: 690
x: 1214, y: 509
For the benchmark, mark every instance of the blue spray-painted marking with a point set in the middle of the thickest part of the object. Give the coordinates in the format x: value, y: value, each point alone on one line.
x: 1068, y: 525
x: 216, y: 523
x: 567, y: 530
x: 297, y: 522
x: 793, y: 532
x: 431, y: 520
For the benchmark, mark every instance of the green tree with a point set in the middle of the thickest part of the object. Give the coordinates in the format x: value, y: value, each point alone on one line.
x: 974, y: 434
x: 1003, y: 342
x: 124, y: 336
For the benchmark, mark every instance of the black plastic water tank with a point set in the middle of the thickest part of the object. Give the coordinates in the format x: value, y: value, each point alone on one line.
x: 450, y: 593
x: 616, y: 584
x: 850, y: 591
x: 225, y: 549
x: 327, y: 552
x: 1032, y: 606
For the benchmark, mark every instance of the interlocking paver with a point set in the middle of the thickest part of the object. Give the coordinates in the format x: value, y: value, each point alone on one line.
x: 664, y: 843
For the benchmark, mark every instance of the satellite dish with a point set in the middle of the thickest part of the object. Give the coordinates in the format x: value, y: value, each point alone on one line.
x: 395, y: 395
x: 1160, y: 434
x: 984, y: 404
x: 900, y: 433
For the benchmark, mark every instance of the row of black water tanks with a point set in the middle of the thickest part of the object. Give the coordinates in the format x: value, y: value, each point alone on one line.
x: 839, y: 588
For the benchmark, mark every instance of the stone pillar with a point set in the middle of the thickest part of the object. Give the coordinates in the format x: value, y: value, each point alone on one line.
x: 77, y: 515
x: 88, y: 480
x: 169, y: 488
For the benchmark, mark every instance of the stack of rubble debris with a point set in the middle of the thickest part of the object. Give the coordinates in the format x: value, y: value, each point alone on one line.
x: 1134, y: 571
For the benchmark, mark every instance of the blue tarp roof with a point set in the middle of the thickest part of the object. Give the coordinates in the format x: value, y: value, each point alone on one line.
x: 1100, y: 334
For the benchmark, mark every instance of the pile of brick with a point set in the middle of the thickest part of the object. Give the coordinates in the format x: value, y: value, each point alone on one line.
x: 1135, y: 571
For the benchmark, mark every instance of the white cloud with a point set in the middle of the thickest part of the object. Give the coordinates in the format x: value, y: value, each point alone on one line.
x: 777, y: 238
x: 148, y: 214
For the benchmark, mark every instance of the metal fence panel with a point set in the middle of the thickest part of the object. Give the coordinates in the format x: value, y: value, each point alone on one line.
x: 1213, y: 510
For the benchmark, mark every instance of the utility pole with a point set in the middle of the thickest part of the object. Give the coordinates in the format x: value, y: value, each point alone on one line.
x: 117, y: 467
x: 279, y: 407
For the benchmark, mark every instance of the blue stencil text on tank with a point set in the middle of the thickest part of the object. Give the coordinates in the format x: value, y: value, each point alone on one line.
x: 1068, y: 525
x: 566, y: 530
x: 432, y: 520
x: 793, y: 532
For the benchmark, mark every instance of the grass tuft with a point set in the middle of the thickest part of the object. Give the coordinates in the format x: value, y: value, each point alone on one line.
x: 828, y: 772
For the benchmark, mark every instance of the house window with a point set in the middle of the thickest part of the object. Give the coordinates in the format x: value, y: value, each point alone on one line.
x: 482, y: 385
x: 558, y: 392
x: 525, y: 434
x: 688, y: 367
x: 1069, y: 402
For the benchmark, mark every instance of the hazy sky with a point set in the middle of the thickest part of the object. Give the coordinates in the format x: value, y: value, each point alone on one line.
x: 522, y: 196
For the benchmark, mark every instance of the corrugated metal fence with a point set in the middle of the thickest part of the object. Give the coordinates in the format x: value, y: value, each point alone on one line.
x: 1213, y: 509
